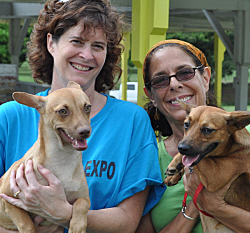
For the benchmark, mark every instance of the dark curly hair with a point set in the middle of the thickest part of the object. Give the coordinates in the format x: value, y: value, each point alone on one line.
x: 161, y: 124
x: 57, y: 17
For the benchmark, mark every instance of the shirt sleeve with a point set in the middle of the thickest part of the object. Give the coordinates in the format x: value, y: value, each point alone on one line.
x: 142, y: 169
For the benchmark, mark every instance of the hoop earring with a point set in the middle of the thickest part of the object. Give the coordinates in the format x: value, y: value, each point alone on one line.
x: 207, y: 99
x: 157, y: 116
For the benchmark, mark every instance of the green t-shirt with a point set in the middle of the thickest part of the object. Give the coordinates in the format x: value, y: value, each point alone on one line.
x: 171, y: 202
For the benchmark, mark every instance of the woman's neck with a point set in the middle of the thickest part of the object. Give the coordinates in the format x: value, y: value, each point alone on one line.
x: 97, y: 100
x: 171, y: 143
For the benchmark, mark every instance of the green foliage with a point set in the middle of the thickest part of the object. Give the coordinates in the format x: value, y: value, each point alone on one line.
x: 205, y: 42
x: 4, y: 38
x: 23, y: 54
x: 228, y: 64
x: 5, y: 57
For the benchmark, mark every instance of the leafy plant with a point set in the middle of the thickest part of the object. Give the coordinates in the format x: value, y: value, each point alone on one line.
x: 5, y: 57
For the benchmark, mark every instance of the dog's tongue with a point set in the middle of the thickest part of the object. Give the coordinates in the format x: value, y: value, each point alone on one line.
x: 188, y: 161
x: 80, y: 144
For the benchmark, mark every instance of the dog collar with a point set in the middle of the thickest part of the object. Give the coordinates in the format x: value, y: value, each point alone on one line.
x: 197, y: 192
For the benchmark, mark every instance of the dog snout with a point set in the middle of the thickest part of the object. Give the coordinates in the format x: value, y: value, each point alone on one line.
x: 84, y: 132
x: 184, y: 148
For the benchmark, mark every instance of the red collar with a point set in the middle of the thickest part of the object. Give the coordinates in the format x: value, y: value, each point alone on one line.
x: 197, y: 192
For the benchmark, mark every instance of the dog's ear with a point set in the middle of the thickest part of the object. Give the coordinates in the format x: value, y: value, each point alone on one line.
x: 72, y: 84
x: 239, y: 119
x: 29, y: 100
x: 185, y: 106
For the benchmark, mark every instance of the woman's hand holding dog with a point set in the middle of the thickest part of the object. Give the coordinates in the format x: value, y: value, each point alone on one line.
x: 213, y: 203
x: 48, y: 202
x: 209, y: 202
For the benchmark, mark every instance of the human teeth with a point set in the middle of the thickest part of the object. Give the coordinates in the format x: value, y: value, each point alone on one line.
x: 183, y: 99
x: 81, y: 68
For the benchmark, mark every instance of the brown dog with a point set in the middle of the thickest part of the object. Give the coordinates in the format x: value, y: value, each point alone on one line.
x: 217, y: 144
x: 63, y: 129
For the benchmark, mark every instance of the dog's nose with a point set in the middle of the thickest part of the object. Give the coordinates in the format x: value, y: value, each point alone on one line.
x: 183, y: 148
x: 84, y: 132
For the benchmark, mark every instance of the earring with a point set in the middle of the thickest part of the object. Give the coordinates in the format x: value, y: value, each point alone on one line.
x: 156, y: 116
x: 207, y: 99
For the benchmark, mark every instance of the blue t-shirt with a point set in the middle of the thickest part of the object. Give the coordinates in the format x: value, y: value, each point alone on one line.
x: 121, y: 158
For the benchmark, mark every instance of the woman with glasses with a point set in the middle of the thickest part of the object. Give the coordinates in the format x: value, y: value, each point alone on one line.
x: 176, y: 69
x: 80, y: 40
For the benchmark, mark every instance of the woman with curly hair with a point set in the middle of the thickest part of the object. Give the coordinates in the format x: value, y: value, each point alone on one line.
x: 80, y: 40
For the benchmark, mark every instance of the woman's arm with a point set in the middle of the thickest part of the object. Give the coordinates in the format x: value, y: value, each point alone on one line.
x: 233, y: 217
x: 213, y: 203
x: 123, y: 218
x: 50, y: 202
x: 179, y: 224
x: 146, y: 224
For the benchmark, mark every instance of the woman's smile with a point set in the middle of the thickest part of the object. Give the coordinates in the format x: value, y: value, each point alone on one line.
x: 81, y: 67
x: 183, y: 98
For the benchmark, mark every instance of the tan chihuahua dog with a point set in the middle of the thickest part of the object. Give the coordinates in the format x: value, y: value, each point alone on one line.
x: 63, y: 129
x: 217, y: 146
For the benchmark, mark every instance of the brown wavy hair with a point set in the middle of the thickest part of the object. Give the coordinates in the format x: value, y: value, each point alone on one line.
x: 57, y: 17
x: 161, y: 124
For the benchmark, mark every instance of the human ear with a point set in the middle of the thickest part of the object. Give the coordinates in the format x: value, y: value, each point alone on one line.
x: 50, y: 43
x: 146, y: 92
x: 149, y: 95
x: 206, y: 77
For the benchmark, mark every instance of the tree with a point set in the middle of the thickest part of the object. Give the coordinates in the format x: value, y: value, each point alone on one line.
x: 4, y: 38
x: 5, y: 57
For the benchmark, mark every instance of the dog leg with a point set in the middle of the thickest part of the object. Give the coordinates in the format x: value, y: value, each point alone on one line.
x: 174, y: 171
x: 20, y: 218
x: 173, y: 180
x: 78, y: 223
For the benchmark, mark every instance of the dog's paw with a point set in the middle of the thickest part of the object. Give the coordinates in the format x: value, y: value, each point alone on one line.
x: 173, y: 170
x: 172, y: 180
x: 173, y: 175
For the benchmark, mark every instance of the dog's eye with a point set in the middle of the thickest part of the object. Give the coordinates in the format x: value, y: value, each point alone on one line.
x: 186, y: 125
x: 207, y: 130
x: 87, y: 108
x: 63, y: 112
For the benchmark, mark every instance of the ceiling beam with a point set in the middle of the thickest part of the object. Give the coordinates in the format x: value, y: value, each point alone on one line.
x: 224, y: 5
x: 220, y: 31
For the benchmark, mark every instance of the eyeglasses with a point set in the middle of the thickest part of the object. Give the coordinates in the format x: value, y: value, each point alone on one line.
x: 182, y: 75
